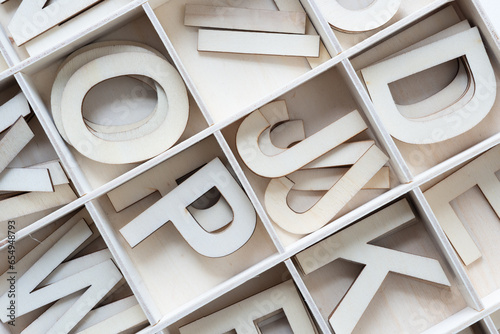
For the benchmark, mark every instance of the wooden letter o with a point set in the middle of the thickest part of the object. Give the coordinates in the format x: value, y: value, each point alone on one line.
x: 135, y: 149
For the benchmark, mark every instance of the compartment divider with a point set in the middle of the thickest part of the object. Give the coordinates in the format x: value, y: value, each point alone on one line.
x: 347, y: 219
x: 467, y: 317
x: 67, y: 159
x: 261, y: 212
x: 465, y: 285
x: 214, y: 293
x: 457, y: 160
x: 123, y: 262
x: 394, y: 28
x: 177, y: 61
x: 400, y: 167
x: 56, y: 50
x: 488, y: 325
x: 332, y: 44
x: 8, y: 52
x: 323, y: 325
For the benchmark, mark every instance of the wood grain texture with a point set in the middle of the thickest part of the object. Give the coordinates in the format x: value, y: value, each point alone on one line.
x: 293, y: 5
x: 14, y: 140
x: 234, y: 18
x: 29, y: 203
x: 352, y: 244
x: 428, y: 27
x: 26, y: 23
x: 83, y: 56
x: 113, y: 318
x: 325, y: 178
x: 81, y: 23
x: 89, y: 279
x: 480, y: 172
x: 25, y: 179
x: 162, y: 178
x: 57, y: 174
x: 258, y: 43
x: 11, y: 110
x: 495, y: 316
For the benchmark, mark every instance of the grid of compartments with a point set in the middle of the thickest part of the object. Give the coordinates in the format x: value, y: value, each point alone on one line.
x: 164, y: 283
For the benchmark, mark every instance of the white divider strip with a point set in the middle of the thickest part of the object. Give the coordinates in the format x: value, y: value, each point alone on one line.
x: 469, y: 293
x: 177, y: 61
x: 457, y: 160
x: 331, y: 42
x: 488, y: 326
x: 124, y: 262
x: 323, y: 325
x: 67, y: 160
x: 460, y: 320
x: 467, y: 317
x: 21, y: 65
x: 399, y: 165
x: 250, y: 192
x: 214, y: 293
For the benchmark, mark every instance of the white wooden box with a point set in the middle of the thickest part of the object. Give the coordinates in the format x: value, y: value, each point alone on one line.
x: 173, y: 284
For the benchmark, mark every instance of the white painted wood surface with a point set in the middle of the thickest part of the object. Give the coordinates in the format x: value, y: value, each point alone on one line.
x: 284, y: 5
x: 299, y: 155
x: 82, y: 57
x: 167, y: 129
x: 57, y: 174
x: 330, y: 204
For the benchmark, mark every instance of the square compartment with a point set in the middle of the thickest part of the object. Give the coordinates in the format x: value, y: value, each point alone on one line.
x: 420, y: 86
x: 318, y: 102
x: 172, y: 272
x: 402, y: 304
x: 139, y: 30
x: 227, y: 83
x: 93, y: 244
